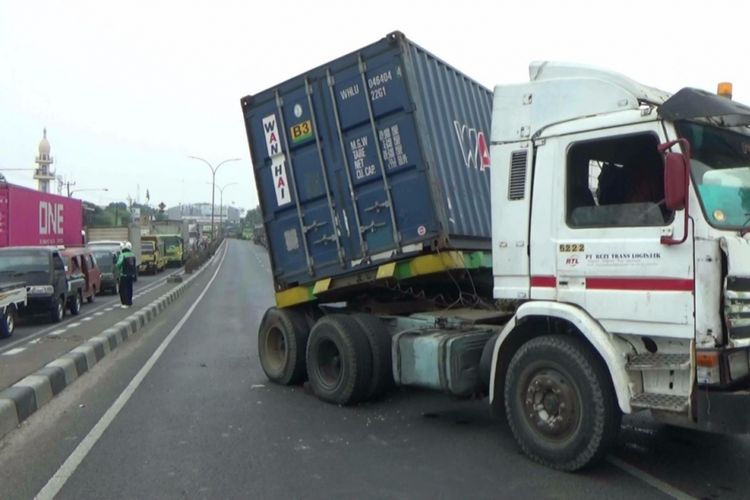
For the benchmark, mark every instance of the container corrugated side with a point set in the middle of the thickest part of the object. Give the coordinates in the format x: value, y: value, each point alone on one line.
x: 36, y: 218
x: 374, y: 156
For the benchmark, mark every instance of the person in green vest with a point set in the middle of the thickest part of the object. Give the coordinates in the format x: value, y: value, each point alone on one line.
x: 127, y: 266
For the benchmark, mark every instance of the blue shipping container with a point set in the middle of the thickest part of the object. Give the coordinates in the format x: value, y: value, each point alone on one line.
x: 379, y: 154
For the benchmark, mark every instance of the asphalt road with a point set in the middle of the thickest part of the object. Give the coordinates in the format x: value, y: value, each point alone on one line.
x: 205, y: 423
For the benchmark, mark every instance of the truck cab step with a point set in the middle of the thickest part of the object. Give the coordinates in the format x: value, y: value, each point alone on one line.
x: 657, y: 361
x: 655, y: 401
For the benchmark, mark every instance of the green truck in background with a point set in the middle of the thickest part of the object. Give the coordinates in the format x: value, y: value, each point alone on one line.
x: 174, y: 249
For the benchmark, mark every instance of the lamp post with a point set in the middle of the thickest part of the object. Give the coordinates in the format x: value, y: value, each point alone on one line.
x: 213, y: 184
x: 221, y: 205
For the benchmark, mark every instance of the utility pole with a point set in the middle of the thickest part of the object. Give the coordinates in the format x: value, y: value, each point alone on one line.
x: 68, y: 185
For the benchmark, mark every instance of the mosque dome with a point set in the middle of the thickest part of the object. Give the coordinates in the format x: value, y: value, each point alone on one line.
x: 44, y: 147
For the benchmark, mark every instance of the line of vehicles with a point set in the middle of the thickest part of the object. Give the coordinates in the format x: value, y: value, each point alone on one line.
x: 50, y: 263
x: 39, y: 280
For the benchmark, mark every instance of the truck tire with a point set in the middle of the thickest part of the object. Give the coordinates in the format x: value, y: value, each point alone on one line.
x: 380, y: 346
x: 57, y: 311
x: 282, y: 338
x: 75, y: 304
x: 7, y: 321
x: 90, y: 298
x: 339, y: 360
x: 560, y: 403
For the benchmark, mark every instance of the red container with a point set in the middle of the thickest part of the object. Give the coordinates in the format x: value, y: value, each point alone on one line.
x: 30, y: 217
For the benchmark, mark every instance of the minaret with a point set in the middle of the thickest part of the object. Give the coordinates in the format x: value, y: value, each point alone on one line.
x: 43, y: 174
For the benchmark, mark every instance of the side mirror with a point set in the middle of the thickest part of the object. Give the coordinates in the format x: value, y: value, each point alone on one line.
x: 675, y: 181
x: 676, y: 184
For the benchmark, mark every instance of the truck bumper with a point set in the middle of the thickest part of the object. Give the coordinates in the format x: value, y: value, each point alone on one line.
x: 724, y: 412
x: 38, y: 304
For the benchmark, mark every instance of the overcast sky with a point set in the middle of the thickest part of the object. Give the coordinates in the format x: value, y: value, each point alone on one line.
x: 129, y: 90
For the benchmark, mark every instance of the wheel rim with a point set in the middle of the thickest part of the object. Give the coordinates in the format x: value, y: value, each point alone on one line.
x: 551, y: 403
x: 329, y: 363
x: 60, y: 309
x: 276, y: 351
x: 9, y: 322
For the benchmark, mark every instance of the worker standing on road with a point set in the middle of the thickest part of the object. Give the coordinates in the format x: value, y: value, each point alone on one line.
x: 126, y: 264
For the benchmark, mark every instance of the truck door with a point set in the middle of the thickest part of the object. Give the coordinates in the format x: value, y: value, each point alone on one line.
x: 606, y: 253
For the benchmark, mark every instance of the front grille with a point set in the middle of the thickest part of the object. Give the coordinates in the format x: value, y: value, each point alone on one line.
x: 737, y: 313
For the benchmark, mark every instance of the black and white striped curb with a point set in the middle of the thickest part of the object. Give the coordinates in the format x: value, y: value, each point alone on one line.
x: 26, y: 396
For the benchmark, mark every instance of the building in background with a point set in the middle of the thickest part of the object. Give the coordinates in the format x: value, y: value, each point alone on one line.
x: 43, y: 174
x: 201, y: 213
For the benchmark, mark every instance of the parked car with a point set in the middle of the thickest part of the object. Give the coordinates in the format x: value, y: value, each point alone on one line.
x: 81, y: 263
x: 105, y: 259
x: 49, y: 287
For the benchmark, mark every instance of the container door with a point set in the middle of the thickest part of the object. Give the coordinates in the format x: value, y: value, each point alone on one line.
x: 377, y: 140
x: 303, y: 231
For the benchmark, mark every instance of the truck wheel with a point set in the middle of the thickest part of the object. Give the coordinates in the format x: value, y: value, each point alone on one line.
x: 90, y: 298
x: 58, y: 310
x: 75, y: 305
x: 339, y: 360
x: 7, y: 322
x: 560, y: 403
x: 380, y: 346
x: 282, y: 337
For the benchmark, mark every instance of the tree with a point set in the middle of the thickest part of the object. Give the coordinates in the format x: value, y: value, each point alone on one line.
x: 252, y: 218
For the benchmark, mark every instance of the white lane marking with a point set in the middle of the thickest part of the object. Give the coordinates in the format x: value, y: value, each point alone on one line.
x: 56, y: 333
x: 88, y: 318
x: 109, y: 308
x: 35, y: 341
x: 98, y: 313
x: 15, y: 351
x: 647, y: 478
x: 73, y: 325
x: 68, y: 468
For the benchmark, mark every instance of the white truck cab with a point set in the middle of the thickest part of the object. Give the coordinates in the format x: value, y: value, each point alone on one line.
x: 619, y: 217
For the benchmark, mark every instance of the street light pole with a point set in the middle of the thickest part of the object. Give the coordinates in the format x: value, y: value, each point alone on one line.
x: 221, y: 205
x: 213, y: 184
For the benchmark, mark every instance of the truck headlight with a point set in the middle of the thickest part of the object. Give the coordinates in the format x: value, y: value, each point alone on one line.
x: 40, y: 290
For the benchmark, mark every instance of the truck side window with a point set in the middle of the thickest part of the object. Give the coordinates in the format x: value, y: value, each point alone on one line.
x: 616, y: 182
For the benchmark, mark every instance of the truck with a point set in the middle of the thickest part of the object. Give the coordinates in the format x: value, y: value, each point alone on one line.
x: 616, y: 275
x: 153, y: 257
x: 12, y: 299
x: 31, y: 217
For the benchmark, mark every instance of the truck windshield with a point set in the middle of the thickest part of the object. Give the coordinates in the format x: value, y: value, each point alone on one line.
x: 720, y: 168
x: 173, y: 244
x: 23, y: 261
